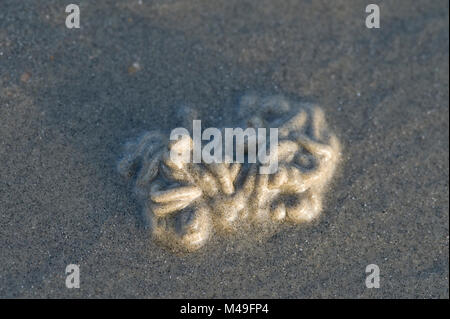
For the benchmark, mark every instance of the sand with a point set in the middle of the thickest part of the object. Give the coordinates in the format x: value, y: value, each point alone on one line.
x: 69, y: 99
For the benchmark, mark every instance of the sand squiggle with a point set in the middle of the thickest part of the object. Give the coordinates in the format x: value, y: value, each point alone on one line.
x: 186, y: 202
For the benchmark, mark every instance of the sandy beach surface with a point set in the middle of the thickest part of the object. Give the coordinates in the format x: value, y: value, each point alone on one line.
x: 70, y: 98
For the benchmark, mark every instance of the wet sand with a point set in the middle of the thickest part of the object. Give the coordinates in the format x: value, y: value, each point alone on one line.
x: 69, y: 99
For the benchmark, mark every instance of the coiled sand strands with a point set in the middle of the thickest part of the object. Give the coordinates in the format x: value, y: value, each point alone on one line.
x: 187, y: 202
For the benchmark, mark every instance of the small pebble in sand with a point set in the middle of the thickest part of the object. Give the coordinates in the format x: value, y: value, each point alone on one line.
x: 25, y: 77
x: 135, y: 67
